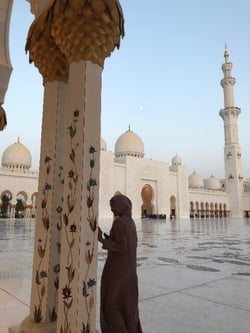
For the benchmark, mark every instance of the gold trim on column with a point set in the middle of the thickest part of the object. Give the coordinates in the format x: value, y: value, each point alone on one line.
x: 71, y: 31
x: 43, y: 51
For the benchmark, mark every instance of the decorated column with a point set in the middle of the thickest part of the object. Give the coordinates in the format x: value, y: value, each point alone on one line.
x: 46, y: 263
x: 68, y: 42
x: 5, y: 63
x: 76, y: 312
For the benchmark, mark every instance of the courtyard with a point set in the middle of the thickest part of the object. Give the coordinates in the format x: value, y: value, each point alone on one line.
x: 194, y: 275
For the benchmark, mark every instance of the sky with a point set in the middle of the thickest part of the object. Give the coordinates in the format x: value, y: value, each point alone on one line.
x: 164, y: 81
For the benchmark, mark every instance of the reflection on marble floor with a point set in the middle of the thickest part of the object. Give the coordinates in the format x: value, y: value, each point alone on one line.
x: 194, y: 275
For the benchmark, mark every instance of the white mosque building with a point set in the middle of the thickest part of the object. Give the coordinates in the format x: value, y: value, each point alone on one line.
x: 17, y: 181
x: 156, y: 188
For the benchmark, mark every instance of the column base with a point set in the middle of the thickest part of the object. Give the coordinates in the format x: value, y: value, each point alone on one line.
x: 30, y: 327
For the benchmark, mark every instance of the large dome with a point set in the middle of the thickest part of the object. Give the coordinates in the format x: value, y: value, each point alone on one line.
x: 213, y: 183
x: 195, y: 180
x: 103, y: 145
x: 129, y: 144
x: 176, y: 160
x: 16, y: 156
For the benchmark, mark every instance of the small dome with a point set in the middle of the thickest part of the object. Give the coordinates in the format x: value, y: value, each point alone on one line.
x: 16, y: 156
x: 195, y: 180
x: 176, y: 160
x: 129, y: 144
x: 213, y: 183
x: 103, y: 145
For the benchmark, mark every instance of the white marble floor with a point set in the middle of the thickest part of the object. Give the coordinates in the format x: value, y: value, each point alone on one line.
x: 194, y: 275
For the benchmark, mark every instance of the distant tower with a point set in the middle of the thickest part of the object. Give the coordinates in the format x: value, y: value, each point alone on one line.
x: 232, y: 150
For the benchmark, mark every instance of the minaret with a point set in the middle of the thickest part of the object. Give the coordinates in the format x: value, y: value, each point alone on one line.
x: 232, y: 150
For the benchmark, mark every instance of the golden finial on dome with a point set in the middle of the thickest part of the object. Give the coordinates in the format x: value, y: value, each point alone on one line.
x: 226, y: 54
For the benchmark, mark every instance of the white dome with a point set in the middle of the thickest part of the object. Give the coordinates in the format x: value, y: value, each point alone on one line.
x: 16, y: 156
x: 103, y: 145
x: 176, y: 160
x: 195, y: 180
x: 213, y: 183
x: 129, y: 144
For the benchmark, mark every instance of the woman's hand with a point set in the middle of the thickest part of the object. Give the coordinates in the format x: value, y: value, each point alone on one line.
x: 100, y: 238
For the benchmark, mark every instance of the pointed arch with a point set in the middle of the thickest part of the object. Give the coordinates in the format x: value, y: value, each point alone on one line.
x: 147, y: 195
x: 172, y: 200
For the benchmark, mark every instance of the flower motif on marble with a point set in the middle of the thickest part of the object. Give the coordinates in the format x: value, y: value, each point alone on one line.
x: 41, y: 276
x: 70, y: 227
x: 90, y: 283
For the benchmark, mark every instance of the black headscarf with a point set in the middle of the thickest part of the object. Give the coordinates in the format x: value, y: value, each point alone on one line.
x: 121, y: 205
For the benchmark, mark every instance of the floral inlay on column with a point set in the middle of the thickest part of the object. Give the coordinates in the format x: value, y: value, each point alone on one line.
x: 56, y: 268
x: 88, y: 282
x: 72, y: 232
x: 70, y: 228
x: 41, y: 274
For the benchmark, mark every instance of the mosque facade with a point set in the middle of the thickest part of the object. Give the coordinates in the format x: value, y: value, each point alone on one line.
x: 157, y: 189
x: 17, y: 181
